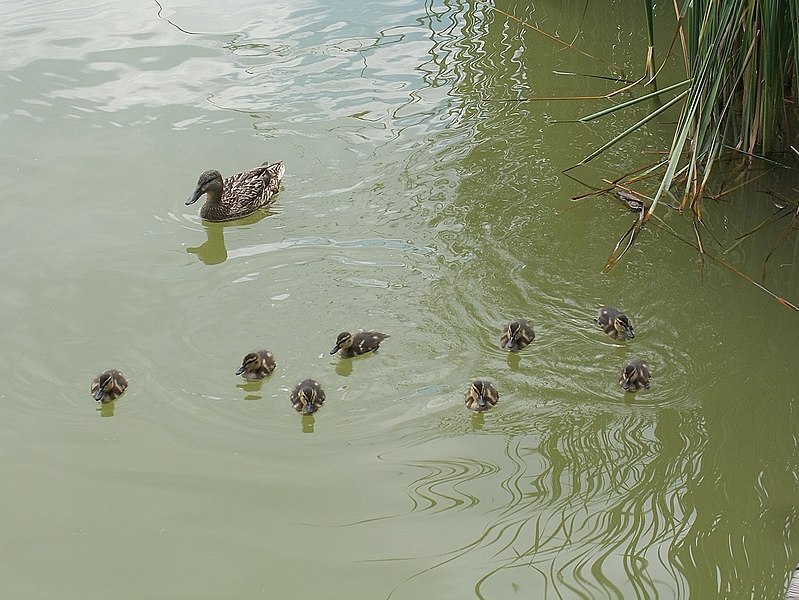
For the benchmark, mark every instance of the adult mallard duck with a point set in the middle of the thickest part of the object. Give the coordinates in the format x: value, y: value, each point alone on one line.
x: 634, y: 375
x: 108, y: 386
x: 349, y: 345
x: 307, y: 397
x: 239, y: 195
x: 257, y: 365
x: 517, y: 335
x: 481, y: 396
x: 615, y: 323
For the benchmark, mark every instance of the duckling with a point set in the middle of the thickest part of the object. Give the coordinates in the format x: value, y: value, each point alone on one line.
x: 360, y: 343
x: 108, y: 386
x: 634, y: 375
x: 257, y: 365
x: 517, y: 335
x: 307, y: 397
x: 239, y: 195
x: 631, y: 201
x: 481, y: 396
x: 615, y: 323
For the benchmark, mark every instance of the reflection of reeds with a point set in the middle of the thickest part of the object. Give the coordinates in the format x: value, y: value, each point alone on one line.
x: 438, y: 489
x: 590, y: 508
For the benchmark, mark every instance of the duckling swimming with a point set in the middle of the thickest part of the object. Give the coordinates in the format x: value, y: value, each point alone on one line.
x: 481, y: 396
x: 615, y: 323
x: 634, y: 375
x: 108, y: 386
x: 257, y: 365
x: 239, y: 195
x: 349, y: 345
x: 307, y: 397
x: 517, y: 336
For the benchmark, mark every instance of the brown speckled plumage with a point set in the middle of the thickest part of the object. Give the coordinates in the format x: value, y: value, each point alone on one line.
x: 634, y: 375
x: 307, y: 397
x: 481, y: 396
x: 517, y: 335
x: 257, y: 365
x: 349, y: 345
x: 108, y: 386
x: 239, y: 195
x: 615, y: 323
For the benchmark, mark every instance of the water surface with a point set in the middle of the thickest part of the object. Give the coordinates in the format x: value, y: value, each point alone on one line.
x: 416, y: 202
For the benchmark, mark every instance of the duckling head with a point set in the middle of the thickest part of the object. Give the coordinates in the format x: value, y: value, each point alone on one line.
x: 479, y: 393
x: 251, y: 362
x: 106, y: 385
x: 209, y: 182
x: 623, y: 326
x: 514, y: 329
x: 480, y: 397
x: 343, y: 341
x: 629, y: 376
x: 307, y: 397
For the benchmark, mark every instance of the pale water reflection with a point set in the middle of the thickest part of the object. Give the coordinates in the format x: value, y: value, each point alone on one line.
x: 417, y: 201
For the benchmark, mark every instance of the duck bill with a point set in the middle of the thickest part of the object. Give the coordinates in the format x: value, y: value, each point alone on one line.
x: 512, y: 344
x: 241, y: 370
x: 629, y: 333
x: 481, y: 402
x: 335, y: 349
x: 98, y: 395
x: 309, y: 408
x: 193, y: 198
x: 626, y: 385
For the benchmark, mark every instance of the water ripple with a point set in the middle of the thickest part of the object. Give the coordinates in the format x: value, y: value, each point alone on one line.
x: 586, y: 496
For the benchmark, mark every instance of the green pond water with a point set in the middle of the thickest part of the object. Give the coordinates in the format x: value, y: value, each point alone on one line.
x: 416, y: 202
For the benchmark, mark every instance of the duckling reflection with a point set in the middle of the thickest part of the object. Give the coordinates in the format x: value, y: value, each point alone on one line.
x: 343, y: 368
x: 478, y: 420
x: 257, y: 365
x: 251, y: 389
x: 307, y: 423
x: 106, y: 410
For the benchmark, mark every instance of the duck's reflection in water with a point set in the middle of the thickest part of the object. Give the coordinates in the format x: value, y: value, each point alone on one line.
x: 308, y: 423
x: 478, y: 421
x: 106, y: 410
x: 213, y: 251
x: 344, y: 367
x: 251, y: 389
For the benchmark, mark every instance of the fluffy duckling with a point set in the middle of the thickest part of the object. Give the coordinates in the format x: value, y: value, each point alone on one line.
x: 257, y: 365
x: 481, y: 396
x: 239, y: 195
x: 349, y: 345
x: 108, y: 386
x: 517, y: 335
x: 307, y: 397
x: 631, y: 201
x: 634, y: 375
x: 615, y: 323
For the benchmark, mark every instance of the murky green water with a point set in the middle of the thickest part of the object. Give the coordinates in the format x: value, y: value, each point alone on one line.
x: 414, y: 205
